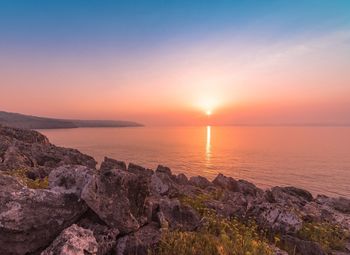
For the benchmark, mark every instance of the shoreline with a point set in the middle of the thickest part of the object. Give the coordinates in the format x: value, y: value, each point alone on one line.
x: 55, y: 201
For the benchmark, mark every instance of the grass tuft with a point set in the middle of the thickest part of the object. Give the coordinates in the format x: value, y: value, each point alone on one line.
x: 329, y: 236
x: 21, y: 175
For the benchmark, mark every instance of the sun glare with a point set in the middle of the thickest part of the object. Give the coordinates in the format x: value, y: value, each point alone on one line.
x: 208, y: 112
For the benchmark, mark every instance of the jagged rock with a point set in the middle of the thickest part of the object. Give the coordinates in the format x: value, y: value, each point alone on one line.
x: 106, y: 237
x: 248, y: 188
x: 182, y: 179
x: 276, y: 218
x: 226, y: 183
x: 28, y: 149
x: 139, y: 170
x: 302, y: 247
x: 118, y: 198
x: 23, y: 135
x: 200, y: 182
x: 74, y: 240
x: 164, y: 184
x: 31, y: 219
x: 159, y: 186
x: 163, y: 169
x: 177, y: 215
x: 230, y: 204
x: 340, y: 204
x: 290, y: 196
x: 109, y: 164
x: 304, y: 194
x: 140, y: 242
x: 70, y: 179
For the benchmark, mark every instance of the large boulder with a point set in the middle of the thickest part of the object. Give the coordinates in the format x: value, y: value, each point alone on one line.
x: 28, y: 149
x: 302, y: 247
x: 182, y: 179
x: 226, y: 183
x: 200, y: 182
x: 341, y: 204
x: 31, y: 219
x: 109, y: 164
x: 290, y: 196
x: 118, y: 198
x: 70, y: 179
x: 139, y: 170
x: 276, y: 218
x: 26, y: 136
x: 140, y: 242
x: 229, y: 204
x: 74, y: 240
x: 106, y: 237
x: 248, y: 188
x: 176, y: 215
x: 164, y: 183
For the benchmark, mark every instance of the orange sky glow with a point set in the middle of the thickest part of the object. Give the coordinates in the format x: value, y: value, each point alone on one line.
x: 240, y: 77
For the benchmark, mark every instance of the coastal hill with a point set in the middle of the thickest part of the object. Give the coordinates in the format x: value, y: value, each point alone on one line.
x: 18, y: 120
x: 55, y: 201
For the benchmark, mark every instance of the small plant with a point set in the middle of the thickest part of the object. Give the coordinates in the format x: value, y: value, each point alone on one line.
x: 217, y: 235
x: 21, y: 175
x: 329, y: 236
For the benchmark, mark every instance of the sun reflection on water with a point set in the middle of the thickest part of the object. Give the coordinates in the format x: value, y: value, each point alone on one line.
x: 208, y: 145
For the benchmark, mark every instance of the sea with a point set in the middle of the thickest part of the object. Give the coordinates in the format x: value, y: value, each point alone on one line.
x: 313, y: 158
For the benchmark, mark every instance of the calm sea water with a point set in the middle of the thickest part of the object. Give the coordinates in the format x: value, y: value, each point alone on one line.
x: 314, y: 158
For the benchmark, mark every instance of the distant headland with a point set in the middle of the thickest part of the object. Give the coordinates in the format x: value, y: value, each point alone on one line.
x: 18, y: 120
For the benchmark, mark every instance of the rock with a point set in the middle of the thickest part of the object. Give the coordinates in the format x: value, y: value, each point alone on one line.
x: 182, y: 179
x: 106, y: 237
x: 301, y: 193
x: 163, y: 169
x: 163, y: 223
x: 276, y: 218
x: 158, y: 186
x: 74, y: 240
x: 278, y: 251
x: 291, y: 196
x: 177, y: 215
x: 31, y: 219
x: 139, y: 170
x: 118, y: 198
x: 302, y: 247
x: 230, y: 204
x: 140, y: 242
x: 70, y: 179
x: 248, y: 188
x: 341, y: 204
x: 164, y: 184
x: 288, y: 197
x: 200, y: 182
x: 8, y: 184
x: 109, y: 164
x: 30, y: 150
x: 13, y: 158
x: 27, y: 136
x: 226, y: 183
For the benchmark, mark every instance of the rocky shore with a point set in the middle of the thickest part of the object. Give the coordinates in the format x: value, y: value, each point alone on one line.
x: 54, y: 201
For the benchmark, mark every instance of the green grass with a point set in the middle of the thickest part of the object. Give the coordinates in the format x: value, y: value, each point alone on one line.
x: 21, y: 175
x: 329, y: 236
x: 217, y: 235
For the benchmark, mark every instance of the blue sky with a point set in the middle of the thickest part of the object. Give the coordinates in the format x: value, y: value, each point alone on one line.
x: 141, y: 25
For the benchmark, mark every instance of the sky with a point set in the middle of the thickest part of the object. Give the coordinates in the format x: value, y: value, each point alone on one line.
x: 162, y: 62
